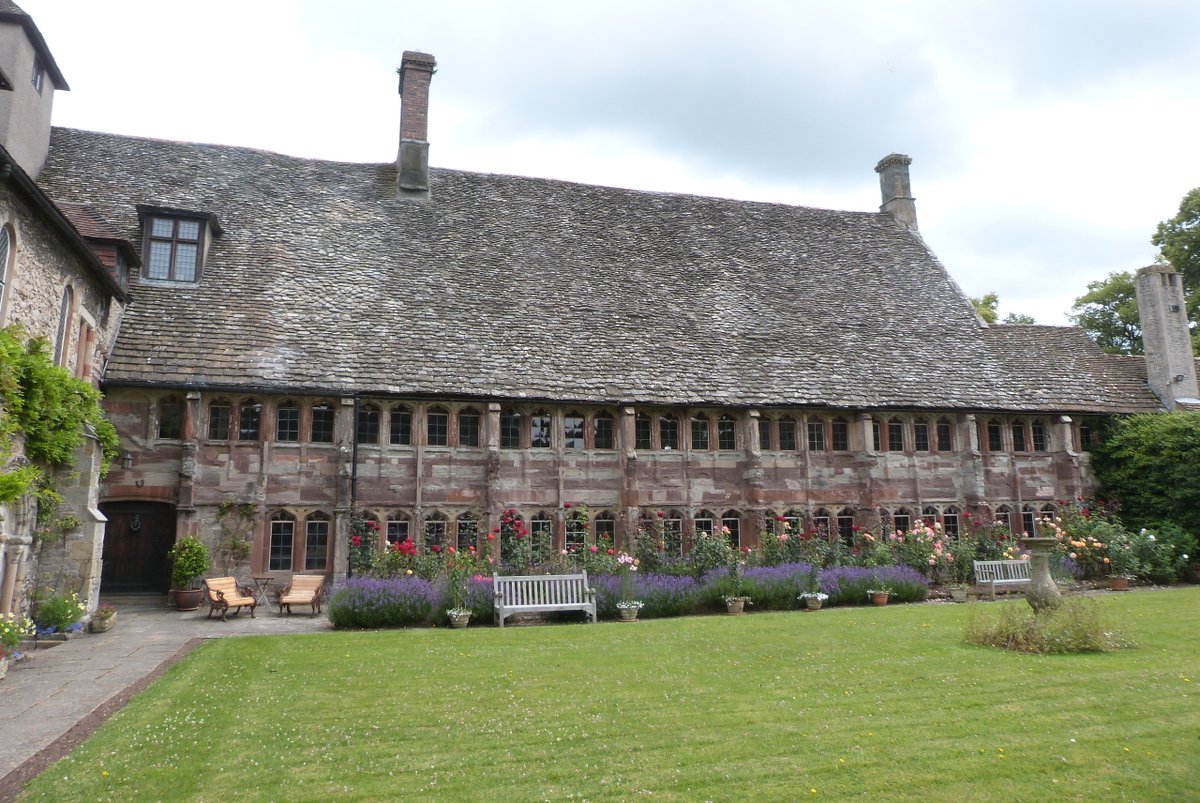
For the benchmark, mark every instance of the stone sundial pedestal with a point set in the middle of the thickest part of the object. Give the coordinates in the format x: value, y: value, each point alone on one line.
x: 1043, y: 594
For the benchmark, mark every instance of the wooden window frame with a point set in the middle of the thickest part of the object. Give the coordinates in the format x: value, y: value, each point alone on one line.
x: 700, y: 435
x: 173, y: 242
x: 315, y: 558
x: 726, y: 433
x: 604, y: 437
x: 292, y: 419
x: 170, y: 409
x: 574, y: 428
x: 400, y: 427
x: 839, y: 435
x: 367, y: 420
x: 470, y: 428
x: 788, y: 439
x: 437, y: 427
x: 815, y: 429
x: 314, y: 429
x: 510, y: 429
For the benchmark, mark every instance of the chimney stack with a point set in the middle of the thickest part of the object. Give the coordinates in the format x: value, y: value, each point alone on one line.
x: 897, y: 192
x: 412, y: 162
x: 1166, y: 338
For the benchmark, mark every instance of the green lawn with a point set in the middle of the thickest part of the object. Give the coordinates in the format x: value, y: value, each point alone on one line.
x: 844, y: 704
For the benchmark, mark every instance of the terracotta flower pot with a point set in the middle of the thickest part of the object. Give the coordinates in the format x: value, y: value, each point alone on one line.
x: 628, y: 614
x: 880, y: 598
x: 188, y: 599
x: 735, y: 607
x: 1119, y: 583
x: 459, y: 619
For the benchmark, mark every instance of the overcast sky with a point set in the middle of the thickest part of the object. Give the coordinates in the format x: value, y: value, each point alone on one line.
x: 1048, y: 137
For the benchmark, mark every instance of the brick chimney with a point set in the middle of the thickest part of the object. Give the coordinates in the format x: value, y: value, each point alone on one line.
x: 897, y: 192
x: 412, y: 162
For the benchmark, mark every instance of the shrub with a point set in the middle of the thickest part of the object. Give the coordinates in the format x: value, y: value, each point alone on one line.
x: 58, y: 612
x: 191, y: 561
x: 1165, y: 552
x: 1077, y: 625
x: 772, y: 588
x: 367, y: 602
x: 709, y: 551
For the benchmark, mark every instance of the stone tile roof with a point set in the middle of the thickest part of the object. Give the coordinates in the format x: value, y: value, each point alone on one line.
x: 511, y: 287
x: 88, y: 221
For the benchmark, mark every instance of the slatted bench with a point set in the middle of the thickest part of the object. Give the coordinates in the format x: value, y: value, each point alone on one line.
x: 224, y: 593
x: 542, y: 594
x: 1004, y: 573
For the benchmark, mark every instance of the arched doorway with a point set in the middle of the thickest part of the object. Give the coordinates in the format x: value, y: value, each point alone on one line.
x: 136, y: 541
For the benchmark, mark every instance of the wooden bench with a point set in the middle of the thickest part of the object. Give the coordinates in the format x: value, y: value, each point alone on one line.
x: 224, y: 593
x: 305, y: 589
x: 1005, y: 573
x: 542, y: 594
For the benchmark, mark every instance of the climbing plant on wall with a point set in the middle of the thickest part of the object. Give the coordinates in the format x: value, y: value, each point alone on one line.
x: 50, y: 408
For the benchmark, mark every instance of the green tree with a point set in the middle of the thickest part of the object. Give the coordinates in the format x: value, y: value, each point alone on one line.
x: 987, y: 307
x: 1109, y: 314
x: 1178, y: 240
x: 1016, y: 317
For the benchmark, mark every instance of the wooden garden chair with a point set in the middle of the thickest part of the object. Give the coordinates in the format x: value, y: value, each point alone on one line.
x: 224, y: 593
x: 304, y: 589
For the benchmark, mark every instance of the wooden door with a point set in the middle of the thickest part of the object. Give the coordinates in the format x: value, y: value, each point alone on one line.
x: 136, y: 542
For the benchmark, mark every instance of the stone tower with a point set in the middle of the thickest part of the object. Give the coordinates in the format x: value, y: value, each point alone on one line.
x: 28, y: 80
x: 1166, y: 337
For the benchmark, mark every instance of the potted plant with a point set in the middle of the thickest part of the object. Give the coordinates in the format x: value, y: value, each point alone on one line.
x: 628, y: 607
x: 1123, y: 563
x: 736, y: 601
x: 13, y: 628
x: 879, y: 594
x: 460, y: 565
x: 104, y: 619
x: 812, y: 596
x: 958, y: 592
x: 190, y: 562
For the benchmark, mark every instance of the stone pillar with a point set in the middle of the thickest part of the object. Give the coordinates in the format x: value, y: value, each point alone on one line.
x: 1166, y: 336
x: 492, y: 502
x: 630, y: 512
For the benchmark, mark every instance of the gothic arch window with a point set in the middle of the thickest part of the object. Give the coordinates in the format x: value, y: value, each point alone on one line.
x: 950, y: 521
x: 320, y: 428
x: 539, y: 430
x: 249, y: 420
x: 541, y: 533
x: 467, y: 531
x: 902, y: 520
x: 218, y: 420
x: 726, y: 433
x: 699, y: 425
x: 642, y: 432
x: 1019, y: 442
x: 822, y: 523
x: 435, y: 531
x: 1004, y: 516
x: 316, y: 542
x: 1041, y: 436
x: 510, y: 429
x: 366, y: 424
x: 929, y: 515
x: 1029, y: 520
x: 170, y: 418
x: 895, y: 435
x: 845, y: 526
x: 731, y: 527
x: 787, y: 434
x: 920, y: 435
x: 573, y: 430
x: 603, y: 431
x: 945, y: 436
x: 673, y: 533
x: 668, y: 432
x: 287, y: 422
x: 469, y: 427
x: 400, y: 426
x: 995, y: 436
x: 437, y: 427
x: 839, y: 435
x: 283, y: 541
x: 704, y: 522
x: 398, y: 528
x: 606, y: 528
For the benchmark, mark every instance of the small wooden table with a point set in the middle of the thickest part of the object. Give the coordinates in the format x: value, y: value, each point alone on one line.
x: 262, y: 582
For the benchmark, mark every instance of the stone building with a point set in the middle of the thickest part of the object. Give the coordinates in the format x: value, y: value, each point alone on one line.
x: 435, y: 346
x: 62, y: 277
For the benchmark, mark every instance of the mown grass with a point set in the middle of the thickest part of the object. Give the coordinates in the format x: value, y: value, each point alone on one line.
x: 845, y: 704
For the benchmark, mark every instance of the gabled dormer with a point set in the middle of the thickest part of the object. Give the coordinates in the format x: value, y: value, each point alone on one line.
x: 175, y: 243
x: 30, y: 72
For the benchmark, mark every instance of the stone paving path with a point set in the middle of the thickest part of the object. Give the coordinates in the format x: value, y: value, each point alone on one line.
x: 45, y: 695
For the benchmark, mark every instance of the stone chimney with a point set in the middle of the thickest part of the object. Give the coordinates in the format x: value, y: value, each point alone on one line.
x: 412, y: 162
x: 1166, y: 338
x: 897, y: 192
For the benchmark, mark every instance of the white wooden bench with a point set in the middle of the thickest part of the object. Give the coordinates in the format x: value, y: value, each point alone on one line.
x: 1004, y: 573
x: 542, y: 593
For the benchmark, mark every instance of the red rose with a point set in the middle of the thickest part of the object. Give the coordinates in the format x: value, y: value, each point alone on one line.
x: 436, y: 548
x: 451, y: 550
x: 491, y: 536
x: 356, y: 540
x: 611, y: 552
x: 660, y: 514
x: 592, y: 549
x: 566, y: 504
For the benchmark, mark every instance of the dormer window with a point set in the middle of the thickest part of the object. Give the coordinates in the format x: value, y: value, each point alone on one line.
x: 175, y: 242
x: 174, y: 249
x: 39, y: 74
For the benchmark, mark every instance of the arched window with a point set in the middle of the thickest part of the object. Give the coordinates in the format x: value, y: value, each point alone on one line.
x: 1048, y: 512
x: 170, y: 418
x: 1041, y: 436
x: 435, y: 531
x: 920, y: 435
x: 845, y: 526
x: 950, y: 521
x: 1029, y: 520
x: 218, y: 420
x: 510, y: 429
x: 945, y: 436
x: 603, y: 429
x: 673, y: 533
x: 902, y: 520
x: 573, y: 430
x: 468, y: 426
x: 822, y: 523
x: 467, y: 531
x: 886, y: 524
x: 287, y: 422
x: 321, y: 427
x: 249, y: 419
x: 787, y: 434
x: 366, y: 425
x: 1004, y: 516
x: 283, y: 541
x: 316, y: 542
x: 606, y: 529
x: 731, y: 527
x: 668, y: 432
x: 704, y: 522
x: 512, y: 525
x: 437, y: 427
x: 792, y: 518
x: 876, y: 437
x: 64, y: 326
x: 929, y: 515
x: 995, y: 436
x: 6, y: 252
x: 1018, y: 437
x: 726, y: 433
x: 400, y: 426
x: 539, y: 430
x: 699, y: 424
x: 398, y: 528
x: 541, y: 531
x: 816, y: 435
x: 642, y: 432
x: 839, y: 435
x: 575, y: 533
x: 895, y: 435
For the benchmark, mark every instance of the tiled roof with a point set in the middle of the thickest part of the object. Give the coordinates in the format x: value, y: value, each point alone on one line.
x: 88, y: 221
x: 510, y: 287
x: 11, y: 12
